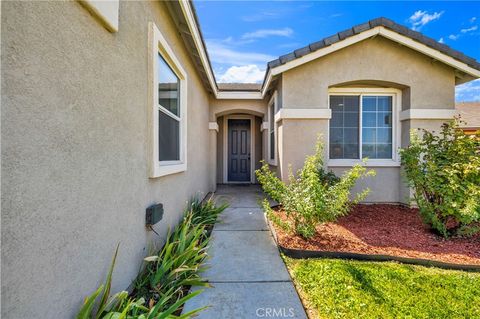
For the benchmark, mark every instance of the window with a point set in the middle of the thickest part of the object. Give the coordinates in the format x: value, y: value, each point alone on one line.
x: 361, y: 126
x: 167, y: 121
x: 272, y: 130
x: 168, y: 113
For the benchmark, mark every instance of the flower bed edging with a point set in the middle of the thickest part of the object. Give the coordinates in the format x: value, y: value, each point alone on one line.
x: 304, y: 254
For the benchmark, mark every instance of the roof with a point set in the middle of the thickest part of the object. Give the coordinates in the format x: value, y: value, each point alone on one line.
x: 239, y: 86
x: 378, y: 22
x: 469, y: 113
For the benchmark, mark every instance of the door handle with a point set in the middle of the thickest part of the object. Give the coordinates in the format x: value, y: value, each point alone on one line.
x: 248, y: 156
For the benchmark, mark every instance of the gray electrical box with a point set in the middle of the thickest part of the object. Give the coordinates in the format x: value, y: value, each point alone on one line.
x: 154, y: 214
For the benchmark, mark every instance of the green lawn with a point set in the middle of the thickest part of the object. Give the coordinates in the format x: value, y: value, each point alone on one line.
x: 352, y: 289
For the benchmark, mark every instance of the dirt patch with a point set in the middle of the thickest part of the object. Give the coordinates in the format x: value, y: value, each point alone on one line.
x: 385, y: 230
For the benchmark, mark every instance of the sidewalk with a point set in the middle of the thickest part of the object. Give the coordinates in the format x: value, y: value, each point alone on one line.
x: 246, y: 271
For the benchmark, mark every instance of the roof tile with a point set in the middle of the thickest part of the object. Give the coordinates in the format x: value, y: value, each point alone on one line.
x: 287, y: 58
x: 317, y: 45
x: 345, y: 34
x: 331, y: 39
x: 361, y: 27
x: 302, y: 51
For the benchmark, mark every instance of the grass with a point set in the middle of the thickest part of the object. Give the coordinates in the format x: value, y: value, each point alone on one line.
x: 351, y: 289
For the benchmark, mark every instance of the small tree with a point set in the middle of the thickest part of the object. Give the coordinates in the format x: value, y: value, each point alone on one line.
x: 313, y: 196
x: 444, y: 172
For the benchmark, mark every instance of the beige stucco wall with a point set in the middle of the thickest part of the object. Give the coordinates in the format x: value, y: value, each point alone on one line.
x: 234, y: 106
x: 424, y: 83
x: 74, y: 155
x: 432, y: 84
x: 296, y: 140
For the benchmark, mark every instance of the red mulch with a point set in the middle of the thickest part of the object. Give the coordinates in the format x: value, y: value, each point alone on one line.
x: 385, y: 230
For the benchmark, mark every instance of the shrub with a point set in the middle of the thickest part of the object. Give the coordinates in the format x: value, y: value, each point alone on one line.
x: 313, y: 196
x: 163, y: 285
x: 444, y: 171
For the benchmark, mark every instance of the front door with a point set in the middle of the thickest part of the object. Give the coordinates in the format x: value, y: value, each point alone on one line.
x: 239, y: 150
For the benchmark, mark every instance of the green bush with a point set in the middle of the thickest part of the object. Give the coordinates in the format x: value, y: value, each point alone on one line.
x: 162, y: 287
x: 444, y: 171
x: 313, y: 196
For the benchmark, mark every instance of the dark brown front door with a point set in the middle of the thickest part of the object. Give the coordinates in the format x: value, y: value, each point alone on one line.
x: 239, y: 150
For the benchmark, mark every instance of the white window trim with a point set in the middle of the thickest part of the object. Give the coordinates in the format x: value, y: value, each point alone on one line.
x: 105, y: 11
x: 271, y: 117
x: 253, y: 156
x: 157, y: 44
x: 396, y: 127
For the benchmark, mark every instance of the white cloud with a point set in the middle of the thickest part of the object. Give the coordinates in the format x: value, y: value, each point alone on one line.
x: 243, y: 74
x: 263, y: 33
x: 222, y: 53
x: 261, y: 16
x: 475, y: 27
x: 421, y: 18
x: 453, y: 36
x: 441, y: 40
x: 469, y: 91
x: 472, y: 20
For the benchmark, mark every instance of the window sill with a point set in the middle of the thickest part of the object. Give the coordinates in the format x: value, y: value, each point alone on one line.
x: 163, y: 170
x: 369, y: 163
x: 272, y: 162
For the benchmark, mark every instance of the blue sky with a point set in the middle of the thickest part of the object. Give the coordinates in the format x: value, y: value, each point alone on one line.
x: 242, y: 36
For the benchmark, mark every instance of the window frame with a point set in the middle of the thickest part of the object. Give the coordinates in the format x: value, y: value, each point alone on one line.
x: 158, y: 45
x: 271, y: 119
x: 396, y: 127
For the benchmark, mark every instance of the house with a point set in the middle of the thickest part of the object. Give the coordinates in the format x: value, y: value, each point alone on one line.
x: 110, y: 107
x: 470, y: 116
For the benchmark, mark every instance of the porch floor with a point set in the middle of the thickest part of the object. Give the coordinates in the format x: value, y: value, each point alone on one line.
x: 247, y: 274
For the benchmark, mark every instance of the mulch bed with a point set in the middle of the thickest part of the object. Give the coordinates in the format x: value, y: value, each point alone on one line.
x: 383, y: 229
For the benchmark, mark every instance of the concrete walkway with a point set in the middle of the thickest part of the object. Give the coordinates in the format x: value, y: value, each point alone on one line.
x: 246, y: 271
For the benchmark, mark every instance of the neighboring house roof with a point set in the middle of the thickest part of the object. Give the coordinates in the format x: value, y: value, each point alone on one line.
x: 187, y: 22
x: 469, y: 113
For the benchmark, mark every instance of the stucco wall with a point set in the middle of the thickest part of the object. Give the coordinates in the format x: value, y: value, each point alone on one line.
x: 74, y: 157
x: 296, y: 140
x: 222, y: 107
x: 432, y: 84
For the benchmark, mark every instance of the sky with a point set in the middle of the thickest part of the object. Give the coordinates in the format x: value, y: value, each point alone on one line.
x: 242, y: 36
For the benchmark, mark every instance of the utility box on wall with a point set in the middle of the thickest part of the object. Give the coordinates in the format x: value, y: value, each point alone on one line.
x: 154, y: 214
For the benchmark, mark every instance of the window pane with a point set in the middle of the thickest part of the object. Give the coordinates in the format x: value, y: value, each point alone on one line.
x: 351, y: 119
x: 369, y: 119
x: 384, y: 135
x: 336, y: 150
x: 272, y: 145
x: 384, y: 119
x: 272, y: 116
x: 350, y: 136
x: 377, y: 127
x: 168, y: 138
x: 369, y: 103
x: 336, y: 103
x: 336, y: 135
x: 344, y: 134
x: 337, y: 119
x: 168, y: 87
x: 368, y: 135
x: 384, y: 151
x: 384, y: 104
x: 351, y: 103
x: 350, y: 151
x: 368, y: 150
